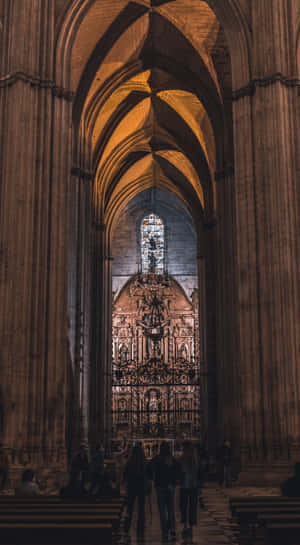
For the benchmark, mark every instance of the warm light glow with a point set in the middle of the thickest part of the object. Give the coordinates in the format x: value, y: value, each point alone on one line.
x: 128, y: 101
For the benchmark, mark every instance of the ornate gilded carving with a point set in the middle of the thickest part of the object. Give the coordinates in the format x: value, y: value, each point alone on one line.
x: 156, y: 372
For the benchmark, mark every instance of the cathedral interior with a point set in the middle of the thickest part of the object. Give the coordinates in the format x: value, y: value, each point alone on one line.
x: 149, y: 238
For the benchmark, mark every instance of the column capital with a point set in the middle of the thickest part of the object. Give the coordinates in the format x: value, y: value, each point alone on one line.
x: 249, y: 89
x: 210, y: 222
x: 225, y: 173
x: 99, y: 226
x: 79, y: 172
x: 8, y: 80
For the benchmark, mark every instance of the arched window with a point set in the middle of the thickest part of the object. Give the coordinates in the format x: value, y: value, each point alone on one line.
x: 152, y: 244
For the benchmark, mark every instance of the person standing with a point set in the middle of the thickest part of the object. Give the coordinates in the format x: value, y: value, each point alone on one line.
x: 224, y: 456
x: 97, y: 469
x: 191, y: 478
x: 3, y: 467
x: 135, y: 476
x: 80, y: 465
x: 28, y: 487
x: 291, y: 487
x: 165, y: 471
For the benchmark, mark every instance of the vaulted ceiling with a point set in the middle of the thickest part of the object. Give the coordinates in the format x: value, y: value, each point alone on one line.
x: 151, y: 79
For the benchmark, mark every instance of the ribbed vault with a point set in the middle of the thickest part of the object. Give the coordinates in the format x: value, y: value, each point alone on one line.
x: 151, y: 79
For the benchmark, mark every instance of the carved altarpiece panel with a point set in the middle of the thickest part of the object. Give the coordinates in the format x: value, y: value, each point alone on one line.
x: 156, y: 369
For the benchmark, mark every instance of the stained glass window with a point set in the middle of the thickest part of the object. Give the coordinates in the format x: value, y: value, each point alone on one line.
x: 152, y: 244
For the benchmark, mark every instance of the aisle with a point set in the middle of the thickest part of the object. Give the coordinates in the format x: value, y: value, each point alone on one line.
x: 215, y: 526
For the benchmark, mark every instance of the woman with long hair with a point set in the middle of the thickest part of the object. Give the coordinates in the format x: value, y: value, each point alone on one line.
x: 135, y: 475
x: 189, y: 485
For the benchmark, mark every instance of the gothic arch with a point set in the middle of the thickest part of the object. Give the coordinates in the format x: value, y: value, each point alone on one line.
x: 104, y: 206
x: 228, y: 12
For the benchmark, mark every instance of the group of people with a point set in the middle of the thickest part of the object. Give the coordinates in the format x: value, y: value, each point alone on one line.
x: 88, y: 477
x: 166, y: 473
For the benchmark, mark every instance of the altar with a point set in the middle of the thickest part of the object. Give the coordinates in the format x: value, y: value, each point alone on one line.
x: 152, y: 446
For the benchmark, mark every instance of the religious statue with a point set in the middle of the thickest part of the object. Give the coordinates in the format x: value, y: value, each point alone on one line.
x: 123, y: 352
x: 183, y: 352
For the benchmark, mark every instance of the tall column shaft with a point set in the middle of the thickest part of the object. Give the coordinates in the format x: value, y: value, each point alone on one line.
x: 33, y: 238
x: 228, y: 365
x: 267, y: 244
x: 251, y: 422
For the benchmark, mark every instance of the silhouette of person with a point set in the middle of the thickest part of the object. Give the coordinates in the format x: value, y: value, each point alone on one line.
x: 73, y: 490
x: 224, y: 456
x: 3, y: 467
x: 28, y: 486
x: 191, y: 479
x: 166, y: 473
x: 135, y: 476
x: 80, y: 465
x: 97, y: 468
x: 291, y: 487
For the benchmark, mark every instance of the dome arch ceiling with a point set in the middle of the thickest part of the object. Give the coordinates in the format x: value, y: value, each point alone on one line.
x: 179, y: 115
x: 159, y: 36
x: 169, y: 165
x: 131, y: 93
x: 146, y: 32
x: 145, y: 139
x: 81, y: 22
x: 119, y: 201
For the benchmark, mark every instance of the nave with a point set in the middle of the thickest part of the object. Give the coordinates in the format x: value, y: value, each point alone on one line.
x: 215, y: 524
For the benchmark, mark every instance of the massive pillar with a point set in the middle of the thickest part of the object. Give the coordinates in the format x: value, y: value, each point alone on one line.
x: 227, y: 362
x: 267, y: 256
x: 35, y: 119
x: 101, y: 347
x: 207, y: 319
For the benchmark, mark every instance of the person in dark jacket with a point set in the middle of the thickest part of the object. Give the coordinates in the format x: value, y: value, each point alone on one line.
x: 73, y: 490
x: 3, y: 467
x: 97, y: 469
x: 224, y: 458
x: 28, y: 487
x: 135, y: 476
x: 291, y: 487
x: 80, y: 465
x: 166, y: 473
x: 190, y: 483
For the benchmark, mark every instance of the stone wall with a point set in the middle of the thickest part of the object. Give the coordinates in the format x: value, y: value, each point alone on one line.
x: 181, y: 244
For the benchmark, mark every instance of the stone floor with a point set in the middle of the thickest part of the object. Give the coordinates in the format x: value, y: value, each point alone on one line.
x: 215, y: 526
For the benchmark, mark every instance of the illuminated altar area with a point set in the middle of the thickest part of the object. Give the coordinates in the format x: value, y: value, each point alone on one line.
x: 155, y: 367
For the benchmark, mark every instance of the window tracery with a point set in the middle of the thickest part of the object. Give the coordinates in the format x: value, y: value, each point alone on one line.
x: 152, y: 244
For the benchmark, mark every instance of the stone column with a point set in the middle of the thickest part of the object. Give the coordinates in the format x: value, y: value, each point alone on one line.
x: 107, y: 346
x: 80, y: 298
x: 97, y: 400
x: 267, y: 256
x: 206, y: 275
x: 227, y: 362
x: 101, y: 387
x: 34, y: 238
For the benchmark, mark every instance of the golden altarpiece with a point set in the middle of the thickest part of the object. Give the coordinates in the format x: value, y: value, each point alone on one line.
x: 156, y: 368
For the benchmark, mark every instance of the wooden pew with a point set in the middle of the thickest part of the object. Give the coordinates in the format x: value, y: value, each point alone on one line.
x: 282, y: 521
x: 18, y: 514
x: 58, y: 499
x: 19, y: 533
x: 62, y: 518
x: 281, y: 533
x: 69, y: 507
x: 253, y: 516
x: 261, y: 501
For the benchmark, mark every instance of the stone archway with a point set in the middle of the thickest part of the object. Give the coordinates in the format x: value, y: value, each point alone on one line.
x: 254, y: 239
x: 100, y: 231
